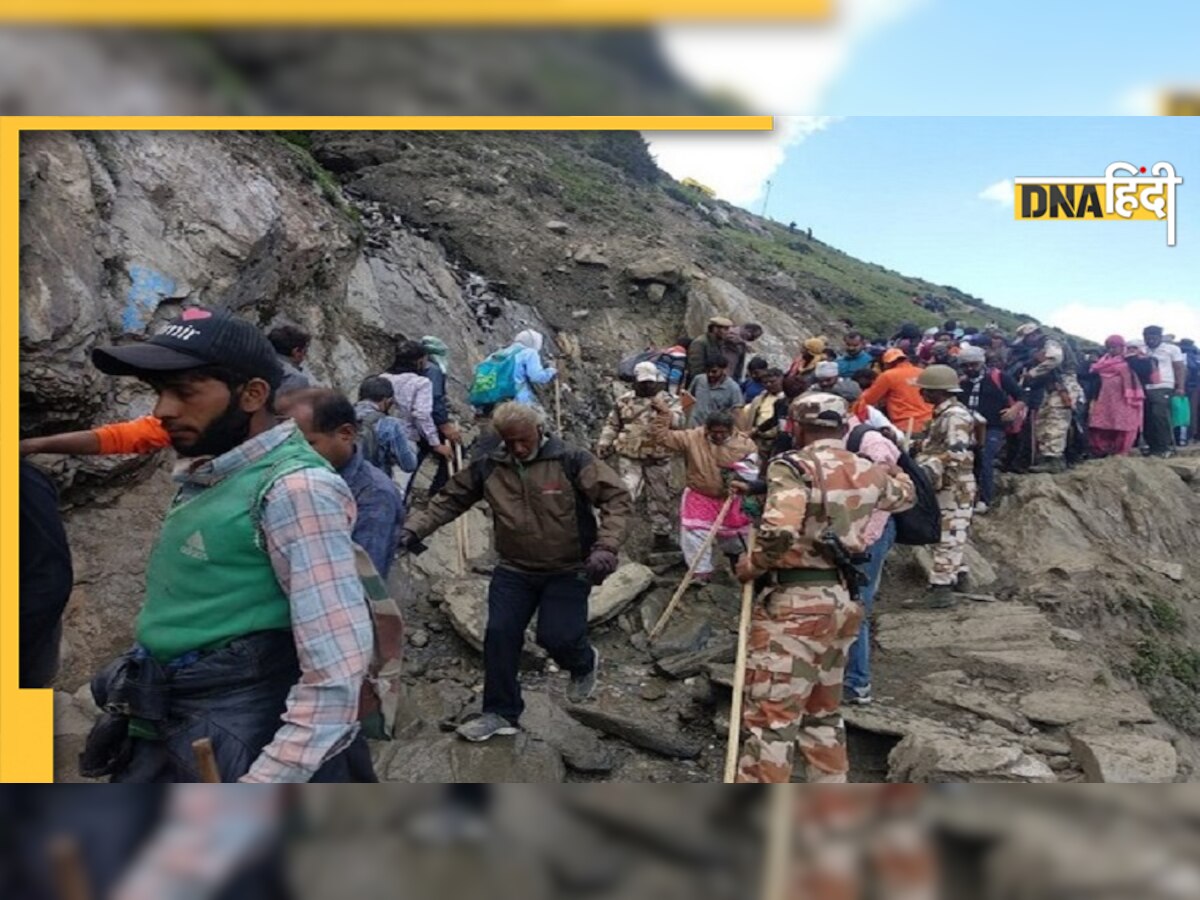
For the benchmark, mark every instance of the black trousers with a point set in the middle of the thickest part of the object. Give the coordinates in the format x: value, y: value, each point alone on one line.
x: 560, y: 600
x: 1158, y: 421
x: 441, y: 476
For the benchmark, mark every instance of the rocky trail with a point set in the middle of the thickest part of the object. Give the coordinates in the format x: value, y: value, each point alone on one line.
x: 1079, y: 667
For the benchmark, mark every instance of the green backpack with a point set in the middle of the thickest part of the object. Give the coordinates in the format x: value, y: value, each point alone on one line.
x: 496, y: 378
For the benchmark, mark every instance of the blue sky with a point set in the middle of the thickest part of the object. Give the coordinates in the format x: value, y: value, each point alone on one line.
x: 1020, y: 57
x: 905, y: 193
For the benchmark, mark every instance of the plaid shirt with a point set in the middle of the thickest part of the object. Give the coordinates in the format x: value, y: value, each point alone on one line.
x: 306, y: 520
x: 208, y: 836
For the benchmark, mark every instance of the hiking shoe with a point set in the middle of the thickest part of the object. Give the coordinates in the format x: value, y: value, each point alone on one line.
x: 582, y: 687
x: 981, y: 508
x: 486, y: 727
x: 858, y: 696
x: 939, y: 596
x: 960, y: 583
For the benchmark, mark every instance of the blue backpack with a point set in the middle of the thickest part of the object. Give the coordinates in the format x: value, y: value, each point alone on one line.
x: 496, y: 378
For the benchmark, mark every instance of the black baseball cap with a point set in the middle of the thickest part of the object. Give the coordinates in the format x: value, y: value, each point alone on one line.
x: 199, y: 337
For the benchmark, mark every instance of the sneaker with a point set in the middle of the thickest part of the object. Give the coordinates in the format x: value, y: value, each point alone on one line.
x: 1166, y: 454
x: 961, y: 585
x: 858, y: 696
x: 486, y: 727
x: 582, y: 687
x: 449, y: 826
x: 981, y: 508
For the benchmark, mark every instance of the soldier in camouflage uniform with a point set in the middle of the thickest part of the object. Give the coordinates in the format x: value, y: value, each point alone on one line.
x: 806, y: 619
x: 948, y: 456
x: 1060, y: 386
x: 643, y: 465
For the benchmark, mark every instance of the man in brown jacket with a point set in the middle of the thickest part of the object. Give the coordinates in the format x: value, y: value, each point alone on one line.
x: 544, y: 495
x: 713, y: 454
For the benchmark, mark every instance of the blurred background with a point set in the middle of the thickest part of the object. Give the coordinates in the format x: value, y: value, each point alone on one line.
x: 603, y: 841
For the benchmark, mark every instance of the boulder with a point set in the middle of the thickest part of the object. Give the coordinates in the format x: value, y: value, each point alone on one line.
x: 588, y: 255
x: 1068, y: 704
x: 685, y: 665
x: 619, y: 590
x: 1172, y: 570
x: 441, y: 558
x: 977, y: 701
x: 783, y: 333
x: 1118, y: 758
x: 446, y: 759
x: 557, y: 226
x: 649, y: 734
x: 581, y: 748
x: 663, y: 269
x: 939, y: 757
x: 464, y: 600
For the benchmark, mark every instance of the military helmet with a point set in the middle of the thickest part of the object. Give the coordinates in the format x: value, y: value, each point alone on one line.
x: 819, y: 410
x: 939, y: 378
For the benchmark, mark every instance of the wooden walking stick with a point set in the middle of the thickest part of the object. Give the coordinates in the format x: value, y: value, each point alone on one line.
x: 780, y: 846
x: 687, y: 579
x: 70, y: 876
x: 460, y: 524
x: 739, y: 675
x: 206, y: 761
x: 558, y: 403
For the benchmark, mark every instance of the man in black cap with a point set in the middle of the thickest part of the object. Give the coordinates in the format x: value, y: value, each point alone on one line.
x: 254, y: 631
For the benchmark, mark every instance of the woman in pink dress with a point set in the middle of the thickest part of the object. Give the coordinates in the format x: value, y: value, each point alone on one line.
x: 1116, y: 414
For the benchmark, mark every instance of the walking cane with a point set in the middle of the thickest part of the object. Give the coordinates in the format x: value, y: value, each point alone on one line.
x: 779, y: 843
x: 687, y: 579
x: 460, y: 524
x: 206, y: 761
x: 558, y: 401
x: 70, y: 876
x: 739, y: 676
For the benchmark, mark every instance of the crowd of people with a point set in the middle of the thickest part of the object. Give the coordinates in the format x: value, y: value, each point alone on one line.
x: 256, y: 630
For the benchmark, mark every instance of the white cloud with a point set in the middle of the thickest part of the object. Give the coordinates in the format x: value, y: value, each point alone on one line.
x: 735, y: 165
x: 1180, y: 318
x: 1143, y: 100
x: 773, y: 69
x: 1001, y: 192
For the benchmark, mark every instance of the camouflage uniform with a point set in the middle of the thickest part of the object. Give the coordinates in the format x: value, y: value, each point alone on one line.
x: 643, y: 465
x: 848, y: 836
x: 800, y: 632
x: 948, y: 457
x: 1053, y: 425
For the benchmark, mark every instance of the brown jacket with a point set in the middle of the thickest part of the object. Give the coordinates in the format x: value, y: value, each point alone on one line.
x: 543, y: 521
x: 704, y: 459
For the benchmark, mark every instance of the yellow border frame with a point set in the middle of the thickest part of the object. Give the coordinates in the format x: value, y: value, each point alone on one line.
x: 26, y: 717
x: 405, y: 12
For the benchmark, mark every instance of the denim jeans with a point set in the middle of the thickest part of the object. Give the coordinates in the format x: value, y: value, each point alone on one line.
x: 858, y: 663
x: 235, y: 696
x: 986, y: 475
x: 560, y: 600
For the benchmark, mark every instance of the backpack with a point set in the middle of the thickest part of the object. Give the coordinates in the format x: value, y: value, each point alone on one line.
x: 495, y: 379
x: 369, y: 440
x: 921, y: 525
x: 627, y: 365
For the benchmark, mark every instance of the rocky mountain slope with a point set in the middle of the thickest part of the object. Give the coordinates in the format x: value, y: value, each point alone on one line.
x: 366, y: 238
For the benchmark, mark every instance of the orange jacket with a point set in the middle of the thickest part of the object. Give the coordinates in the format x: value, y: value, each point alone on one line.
x: 144, y: 435
x: 897, y: 394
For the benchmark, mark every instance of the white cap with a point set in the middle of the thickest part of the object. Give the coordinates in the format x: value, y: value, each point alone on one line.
x: 826, y: 370
x: 647, y: 371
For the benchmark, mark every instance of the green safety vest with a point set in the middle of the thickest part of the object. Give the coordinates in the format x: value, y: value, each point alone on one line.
x: 209, y: 580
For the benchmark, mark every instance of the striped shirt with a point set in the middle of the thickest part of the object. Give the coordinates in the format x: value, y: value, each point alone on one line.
x: 306, y: 520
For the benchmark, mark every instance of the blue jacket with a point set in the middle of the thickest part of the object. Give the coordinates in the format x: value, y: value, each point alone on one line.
x: 380, y: 518
x: 530, y: 371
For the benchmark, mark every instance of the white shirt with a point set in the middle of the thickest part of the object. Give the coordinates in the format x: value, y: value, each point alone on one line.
x: 1167, y: 355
